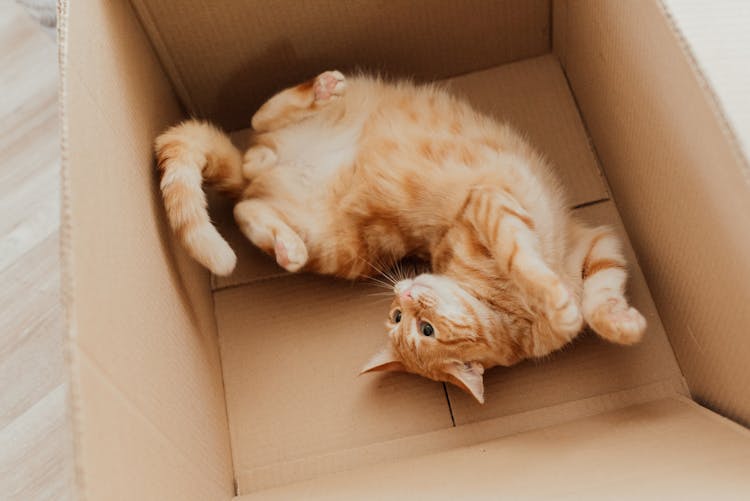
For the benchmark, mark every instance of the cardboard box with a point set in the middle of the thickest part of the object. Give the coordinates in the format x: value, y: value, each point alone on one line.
x: 191, y: 387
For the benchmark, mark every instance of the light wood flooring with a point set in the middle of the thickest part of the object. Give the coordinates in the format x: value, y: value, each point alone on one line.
x: 34, y: 444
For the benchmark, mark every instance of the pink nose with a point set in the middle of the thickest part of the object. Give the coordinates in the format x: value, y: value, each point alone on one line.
x: 406, y: 294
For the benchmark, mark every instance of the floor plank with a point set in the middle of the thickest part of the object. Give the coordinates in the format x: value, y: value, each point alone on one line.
x: 35, y: 452
x: 32, y: 453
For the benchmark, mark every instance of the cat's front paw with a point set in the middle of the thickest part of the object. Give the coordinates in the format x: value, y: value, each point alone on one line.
x: 616, y: 321
x: 329, y: 85
x: 291, y: 253
x: 562, y: 309
x: 257, y: 159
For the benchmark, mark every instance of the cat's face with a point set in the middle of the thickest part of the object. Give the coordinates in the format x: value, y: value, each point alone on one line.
x: 435, y: 329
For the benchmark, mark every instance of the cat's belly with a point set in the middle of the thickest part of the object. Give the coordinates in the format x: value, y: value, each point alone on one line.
x: 310, y: 154
x: 299, y: 194
x: 308, y: 165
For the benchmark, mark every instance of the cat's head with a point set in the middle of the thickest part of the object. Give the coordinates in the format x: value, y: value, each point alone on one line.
x: 438, y: 330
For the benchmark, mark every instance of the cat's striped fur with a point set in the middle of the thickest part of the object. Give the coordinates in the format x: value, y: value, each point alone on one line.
x: 344, y: 173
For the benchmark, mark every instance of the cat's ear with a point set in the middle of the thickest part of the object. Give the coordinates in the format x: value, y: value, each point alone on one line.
x: 468, y: 377
x: 384, y: 360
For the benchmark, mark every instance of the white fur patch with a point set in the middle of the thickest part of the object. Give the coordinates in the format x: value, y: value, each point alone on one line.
x: 181, y: 174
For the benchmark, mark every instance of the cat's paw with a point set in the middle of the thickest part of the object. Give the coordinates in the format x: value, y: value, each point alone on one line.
x: 329, y: 85
x: 256, y: 160
x: 221, y: 260
x: 562, y: 309
x: 618, y: 322
x: 291, y: 253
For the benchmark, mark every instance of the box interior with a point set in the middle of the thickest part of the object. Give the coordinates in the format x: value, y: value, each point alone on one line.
x: 274, y: 324
x: 211, y: 387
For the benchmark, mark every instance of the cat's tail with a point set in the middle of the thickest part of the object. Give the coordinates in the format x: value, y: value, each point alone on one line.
x: 188, y: 154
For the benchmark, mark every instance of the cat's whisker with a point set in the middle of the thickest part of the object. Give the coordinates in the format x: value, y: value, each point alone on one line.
x: 389, y: 289
x: 380, y: 283
x: 381, y: 300
x: 369, y: 264
x: 380, y: 270
x: 379, y: 279
x: 397, y: 272
x: 402, y: 271
x: 386, y: 290
x: 393, y: 280
x: 388, y: 273
x: 398, y: 268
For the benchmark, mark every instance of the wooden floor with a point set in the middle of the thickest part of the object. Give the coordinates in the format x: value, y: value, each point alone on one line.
x: 34, y: 444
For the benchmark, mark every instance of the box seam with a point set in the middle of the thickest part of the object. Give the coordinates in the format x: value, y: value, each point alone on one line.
x: 145, y: 18
x: 235, y: 477
x: 450, y: 407
x: 591, y: 203
x: 715, y: 416
x: 255, y: 280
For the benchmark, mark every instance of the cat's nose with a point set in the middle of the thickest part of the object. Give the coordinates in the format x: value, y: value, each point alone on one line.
x: 406, y: 295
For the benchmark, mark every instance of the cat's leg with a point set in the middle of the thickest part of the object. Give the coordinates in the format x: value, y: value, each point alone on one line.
x: 508, y: 231
x: 597, y: 256
x: 263, y: 226
x: 296, y: 103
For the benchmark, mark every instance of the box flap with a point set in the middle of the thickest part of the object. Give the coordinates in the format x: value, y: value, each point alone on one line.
x: 254, y: 51
x: 148, y: 405
x: 667, y: 449
x: 679, y: 180
x: 283, y: 473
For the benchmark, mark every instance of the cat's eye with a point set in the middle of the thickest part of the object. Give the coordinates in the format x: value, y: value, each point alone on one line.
x: 396, y: 316
x: 426, y: 329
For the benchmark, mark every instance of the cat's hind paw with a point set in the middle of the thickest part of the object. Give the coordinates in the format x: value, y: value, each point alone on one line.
x: 618, y: 322
x: 291, y: 253
x: 329, y: 85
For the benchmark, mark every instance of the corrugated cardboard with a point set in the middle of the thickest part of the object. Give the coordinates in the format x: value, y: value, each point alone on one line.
x: 678, y: 179
x: 159, y: 361
x: 148, y: 400
x: 292, y: 349
x: 310, y: 467
x: 667, y: 449
x: 254, y: 48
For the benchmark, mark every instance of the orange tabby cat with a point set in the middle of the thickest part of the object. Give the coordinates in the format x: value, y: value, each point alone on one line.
x: 342, y: 173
